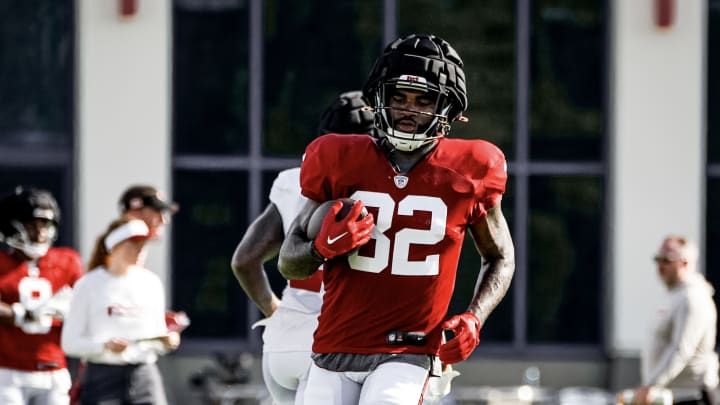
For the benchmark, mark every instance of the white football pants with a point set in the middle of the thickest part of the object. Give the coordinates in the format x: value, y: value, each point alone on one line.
x: 392, y: 383
x: 34, y: 387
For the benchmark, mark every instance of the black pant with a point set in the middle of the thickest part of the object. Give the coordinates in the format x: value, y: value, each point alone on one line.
x: 709, y: 397
x: 122, y: 385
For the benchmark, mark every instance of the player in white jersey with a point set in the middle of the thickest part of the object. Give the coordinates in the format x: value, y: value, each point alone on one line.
x: 291, y: 321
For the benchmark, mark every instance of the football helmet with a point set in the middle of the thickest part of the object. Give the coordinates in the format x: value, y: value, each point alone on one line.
x: 423, y: 63
x: 20, y: 208
x: 348, y: 114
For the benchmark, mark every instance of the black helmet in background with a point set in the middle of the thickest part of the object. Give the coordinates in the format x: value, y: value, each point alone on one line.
x: 348, y: 114
x: 21, y: 207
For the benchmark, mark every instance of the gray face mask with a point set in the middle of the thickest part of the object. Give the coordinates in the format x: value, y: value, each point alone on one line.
x: 20, y: 241
x: 436, y: 125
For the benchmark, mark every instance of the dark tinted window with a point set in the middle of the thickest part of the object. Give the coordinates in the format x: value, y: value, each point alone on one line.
x: 567, y: 82
x: 713, y: 235
x: 713, y: 90
x: 212, y: 215
x: 313, y: 51
x: 565, y: 259
x: 210, y: 73
x: 36, y: 73
x: 712, y: 255
x: 37, y: 101
x: 484, y: 36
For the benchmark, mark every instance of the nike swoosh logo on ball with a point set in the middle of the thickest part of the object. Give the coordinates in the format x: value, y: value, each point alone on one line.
x: 330, y: 240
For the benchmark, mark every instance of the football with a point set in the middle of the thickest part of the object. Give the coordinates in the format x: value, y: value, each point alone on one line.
x: 316, y: 219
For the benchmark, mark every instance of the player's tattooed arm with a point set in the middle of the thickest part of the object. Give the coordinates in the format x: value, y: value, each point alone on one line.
x: 494, y: 243
x: 260, y: 243
x: 297, y: 259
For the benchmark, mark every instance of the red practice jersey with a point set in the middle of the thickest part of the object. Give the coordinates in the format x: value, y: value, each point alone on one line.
x: 403, y: 279
x: 60, y: 267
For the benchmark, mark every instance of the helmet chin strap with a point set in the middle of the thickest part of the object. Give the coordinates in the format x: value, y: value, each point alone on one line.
x: 407, y: 142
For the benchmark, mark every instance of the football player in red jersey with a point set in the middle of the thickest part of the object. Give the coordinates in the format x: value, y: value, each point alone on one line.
x: 380, y: 330
x: 35, y: 282
x: 287, y: 338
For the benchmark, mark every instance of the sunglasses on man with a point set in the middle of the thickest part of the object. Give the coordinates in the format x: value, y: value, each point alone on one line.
x: 666, y: 259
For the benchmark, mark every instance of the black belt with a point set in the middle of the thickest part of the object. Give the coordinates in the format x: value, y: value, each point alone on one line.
x: 405, y: 338
x: 129, y: 365
x: 47, y: 365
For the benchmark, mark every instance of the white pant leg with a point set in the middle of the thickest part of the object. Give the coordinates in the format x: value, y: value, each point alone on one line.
x: 52, y: 397
x: 285, y: 375
x: 37, y: 387
x: 11, y: 395
x: 394, y: 383
x: 331, y: 388
x: 287, y: 330
x: 439, y: 387
x: 302, y: 385
x: 287, y: 346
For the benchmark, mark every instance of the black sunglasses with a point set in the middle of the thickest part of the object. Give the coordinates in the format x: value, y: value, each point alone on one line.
x: 667, y: 259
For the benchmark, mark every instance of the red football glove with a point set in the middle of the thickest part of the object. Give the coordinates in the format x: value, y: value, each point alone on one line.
x: 336, y: 238
x: 466, y: 327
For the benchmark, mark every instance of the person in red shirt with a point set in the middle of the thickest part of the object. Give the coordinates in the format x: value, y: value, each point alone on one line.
x: 380, y: 330
x: 35, y: 283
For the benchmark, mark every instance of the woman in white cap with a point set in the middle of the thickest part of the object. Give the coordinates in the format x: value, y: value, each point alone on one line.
x: 117, y: 323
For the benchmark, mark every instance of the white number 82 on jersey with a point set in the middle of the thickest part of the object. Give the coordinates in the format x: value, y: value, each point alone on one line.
x: 401, y: 265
